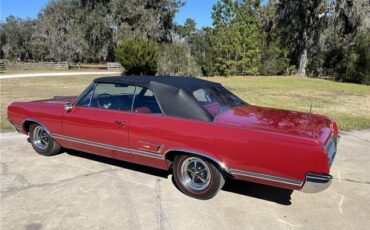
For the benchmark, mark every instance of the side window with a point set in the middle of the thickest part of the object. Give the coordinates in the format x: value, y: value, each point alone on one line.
x: 202, y: 96
x: 206, y: 100
x: 145, y: 101
x: 113, y: 96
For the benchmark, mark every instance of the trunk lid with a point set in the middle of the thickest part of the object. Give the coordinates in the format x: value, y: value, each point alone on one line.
x: 280, y: 121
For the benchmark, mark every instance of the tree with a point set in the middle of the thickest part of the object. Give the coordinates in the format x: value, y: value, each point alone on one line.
x: 187, y: 29
x: 200, y: 49
x: 274, y: 56
x: 60, y: 27
x: 298, y: 24
x: 175, y: 60
x: 236, y: 40
x: 138, y: 56
x: 86, y: 30
x: 147, y: 18
x: 16, y: 36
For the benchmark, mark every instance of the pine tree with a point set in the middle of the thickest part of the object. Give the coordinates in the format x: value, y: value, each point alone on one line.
x: 236, y: 41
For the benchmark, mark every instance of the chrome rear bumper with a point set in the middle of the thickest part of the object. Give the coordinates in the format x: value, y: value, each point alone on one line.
x: 319, y: 182
x: 316, y: 182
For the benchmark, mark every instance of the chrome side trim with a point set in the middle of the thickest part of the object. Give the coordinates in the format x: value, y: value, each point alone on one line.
x: 267, y: 177
x: 106, y: 146
x: 35, y: 121
x: 316, y: 182
x: 221, y: 164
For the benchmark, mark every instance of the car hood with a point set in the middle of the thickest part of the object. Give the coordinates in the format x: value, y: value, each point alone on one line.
x: 58, y: 100
x: 280, y: 121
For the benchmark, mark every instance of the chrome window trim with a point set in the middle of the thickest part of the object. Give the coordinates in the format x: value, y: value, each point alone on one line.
x: 92, y: 95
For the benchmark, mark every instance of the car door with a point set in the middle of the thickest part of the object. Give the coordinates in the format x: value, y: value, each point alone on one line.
x: 146, y: 143
x: 99, y: 122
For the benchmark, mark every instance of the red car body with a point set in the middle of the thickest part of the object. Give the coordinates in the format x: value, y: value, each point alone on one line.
x: 287, y: 149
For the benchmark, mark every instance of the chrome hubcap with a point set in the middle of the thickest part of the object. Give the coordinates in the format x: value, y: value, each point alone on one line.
x: 195, y: 174
x: 40, y: 138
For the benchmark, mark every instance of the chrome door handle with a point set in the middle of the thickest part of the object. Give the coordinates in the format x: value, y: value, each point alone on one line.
x: 122, y: 123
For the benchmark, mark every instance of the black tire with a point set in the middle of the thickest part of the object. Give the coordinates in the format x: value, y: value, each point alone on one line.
x: 41, y: 141
x: 192, y: 182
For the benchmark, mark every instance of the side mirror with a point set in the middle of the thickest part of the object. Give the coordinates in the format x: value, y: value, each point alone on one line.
x: 68, y: 107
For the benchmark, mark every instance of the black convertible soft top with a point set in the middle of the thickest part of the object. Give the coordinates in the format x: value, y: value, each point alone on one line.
x: 174, y: 94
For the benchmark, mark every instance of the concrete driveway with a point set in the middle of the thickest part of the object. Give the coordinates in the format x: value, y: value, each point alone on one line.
x: 80, y: 191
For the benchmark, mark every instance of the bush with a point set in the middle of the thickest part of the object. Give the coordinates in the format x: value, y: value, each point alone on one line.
x: 350, y: 63
x: 138, y: 56
x: 175, y: 60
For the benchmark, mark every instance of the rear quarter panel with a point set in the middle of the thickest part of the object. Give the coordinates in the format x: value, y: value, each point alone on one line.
x: 241, y: 149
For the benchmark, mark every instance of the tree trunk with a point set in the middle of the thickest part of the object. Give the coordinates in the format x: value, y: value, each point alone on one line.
x: 303, y: 58
x: 302, y: 63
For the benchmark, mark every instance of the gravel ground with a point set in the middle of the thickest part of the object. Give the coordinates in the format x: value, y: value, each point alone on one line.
x: 80, y: 191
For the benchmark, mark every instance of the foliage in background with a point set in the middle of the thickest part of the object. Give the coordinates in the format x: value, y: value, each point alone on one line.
x: 350, y: 63
x: 15, y: 38
x: 186, y: 30
x: 138, y: 56
x: 299, y: 24
x: 309, y: 37
x: 237, y: 37
x: 175, y: 60
x: 274, y: 56
x: 86, y: 30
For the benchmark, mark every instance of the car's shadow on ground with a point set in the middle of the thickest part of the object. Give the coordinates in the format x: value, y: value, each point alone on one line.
x: 269, y: 193
x: 118, y: 163
x: 264, y: 192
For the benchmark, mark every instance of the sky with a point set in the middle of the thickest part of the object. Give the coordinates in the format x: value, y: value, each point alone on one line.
x: 199, y: 10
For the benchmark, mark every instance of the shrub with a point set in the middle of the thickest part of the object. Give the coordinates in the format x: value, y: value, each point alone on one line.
x: 138, y: 56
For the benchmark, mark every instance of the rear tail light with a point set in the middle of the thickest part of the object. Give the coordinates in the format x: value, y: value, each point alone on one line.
x: 334, y: 128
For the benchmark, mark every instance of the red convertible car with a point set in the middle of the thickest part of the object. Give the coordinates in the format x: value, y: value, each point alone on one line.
x: 196, y: 128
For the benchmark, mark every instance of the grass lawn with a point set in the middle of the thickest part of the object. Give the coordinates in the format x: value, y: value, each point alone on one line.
x: 348, y: 104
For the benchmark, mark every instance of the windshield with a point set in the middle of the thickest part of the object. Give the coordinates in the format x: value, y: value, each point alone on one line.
x: 216, y: 100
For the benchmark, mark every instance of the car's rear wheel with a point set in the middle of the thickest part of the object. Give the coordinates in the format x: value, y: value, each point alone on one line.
x: 197, y: 177
x: 41, y: 141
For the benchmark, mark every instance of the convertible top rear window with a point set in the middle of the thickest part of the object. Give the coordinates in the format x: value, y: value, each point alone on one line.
x: 216, y: 100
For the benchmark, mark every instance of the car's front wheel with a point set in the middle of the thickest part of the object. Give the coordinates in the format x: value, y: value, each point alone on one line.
x: 41, y: 141
x: 197, y: 177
